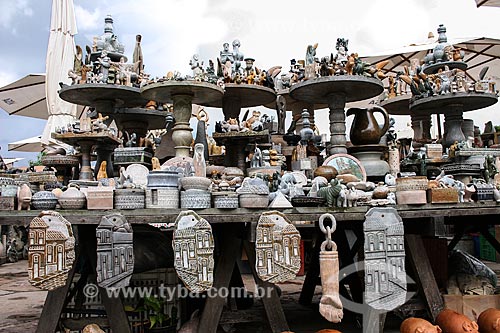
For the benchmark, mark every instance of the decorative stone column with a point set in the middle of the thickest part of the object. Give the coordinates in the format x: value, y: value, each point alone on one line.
x: 336, y: 104
x: 181, y: 135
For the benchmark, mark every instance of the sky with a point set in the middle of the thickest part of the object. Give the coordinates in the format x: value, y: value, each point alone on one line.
x: 272, y: 32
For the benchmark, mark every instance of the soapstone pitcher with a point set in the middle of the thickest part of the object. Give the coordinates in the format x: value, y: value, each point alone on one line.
x: 365, y: 130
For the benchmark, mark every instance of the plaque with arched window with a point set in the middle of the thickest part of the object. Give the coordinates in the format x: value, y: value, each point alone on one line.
x: 115, y: 251
x: 51, y: 250
x: 385, y: 276
x: 277, y: 248
x: 193, y: 246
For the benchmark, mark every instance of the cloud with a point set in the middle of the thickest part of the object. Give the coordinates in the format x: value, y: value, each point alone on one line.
x: 10, y: 10
x: 87, y: 20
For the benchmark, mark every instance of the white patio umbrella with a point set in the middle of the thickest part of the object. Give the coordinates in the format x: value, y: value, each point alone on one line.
x: 491, y: 3
x: 26, y: 97
x: 60, y: 58
x: 34, y: 145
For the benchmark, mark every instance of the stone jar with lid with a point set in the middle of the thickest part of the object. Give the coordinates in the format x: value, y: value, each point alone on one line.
x: 72, y: 198
x: 44, y: 200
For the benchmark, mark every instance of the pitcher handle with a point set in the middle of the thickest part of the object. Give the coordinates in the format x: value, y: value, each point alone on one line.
x: 380, y: 109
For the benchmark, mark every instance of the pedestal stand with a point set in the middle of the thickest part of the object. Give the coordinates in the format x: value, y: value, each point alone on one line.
x: 183, y: 94
x: 372, y: 159
x: 420, y: 121
x: 336, y: 91
x: 453, y: 106
x: 63, y: 164
x: 105, y: 143
x: 105, y: 98
x: 237, y: 96
x: 236, y: 143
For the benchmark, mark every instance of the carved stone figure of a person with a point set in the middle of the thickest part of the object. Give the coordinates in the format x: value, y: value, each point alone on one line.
x: 105, y: 63
x: 137, y: 57
x: 226, y: 55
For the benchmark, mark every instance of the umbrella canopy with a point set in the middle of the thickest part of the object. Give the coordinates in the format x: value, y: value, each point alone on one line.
x: 30, y: 145
x: 491, y: 3
x: 25, y: 97
x: 60, y: 59
x: 479, y: 52
x: 34, y: 145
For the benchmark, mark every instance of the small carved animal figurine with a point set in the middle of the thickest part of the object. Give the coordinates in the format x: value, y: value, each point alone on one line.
x: 418, y: 325
x: 23, y: 197
x: 233, y: 125
x: 454, y: 322
x: 331, y: 193
x: 102, y: 171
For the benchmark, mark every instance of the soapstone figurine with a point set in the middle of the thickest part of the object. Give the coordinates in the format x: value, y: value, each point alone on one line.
x: 23, y: 197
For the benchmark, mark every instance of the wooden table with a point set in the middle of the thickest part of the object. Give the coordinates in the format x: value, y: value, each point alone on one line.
x: 230, y: 225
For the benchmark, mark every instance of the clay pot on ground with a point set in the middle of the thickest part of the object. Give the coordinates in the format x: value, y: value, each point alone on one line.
x: 453, y: 322
x: 326, y: 171
x: 365, y: 129
x: 328, y: 331
x: 418, y: 325
x: 489, y: 321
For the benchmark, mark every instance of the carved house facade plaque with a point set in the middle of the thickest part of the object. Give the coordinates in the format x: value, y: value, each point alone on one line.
x: 115, y: 251
x: 277, y: 248
x: 193, y: 245
x: 385, y: 274
x: 50, y: 251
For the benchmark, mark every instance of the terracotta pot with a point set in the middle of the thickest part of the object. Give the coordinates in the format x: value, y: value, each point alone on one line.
x: 328, y: 331
x: 454, y: 322
x: 418, y: 325
x: 326, y: 171
x: 489, y: 321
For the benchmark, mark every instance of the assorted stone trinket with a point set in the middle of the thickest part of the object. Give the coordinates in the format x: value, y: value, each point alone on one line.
x: 72, y: 198
x: 385, y: 273
x: 115, y: 251
x: 253, y: 193
x: 277, y: 248
x: 100, y: 197
x: 50, y: 250
x: 330, y: 305
x: 225, y: 200
x: 193, y: 246
x: 163, y: 188
x: 44, y: 200
x: 129, y: 198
